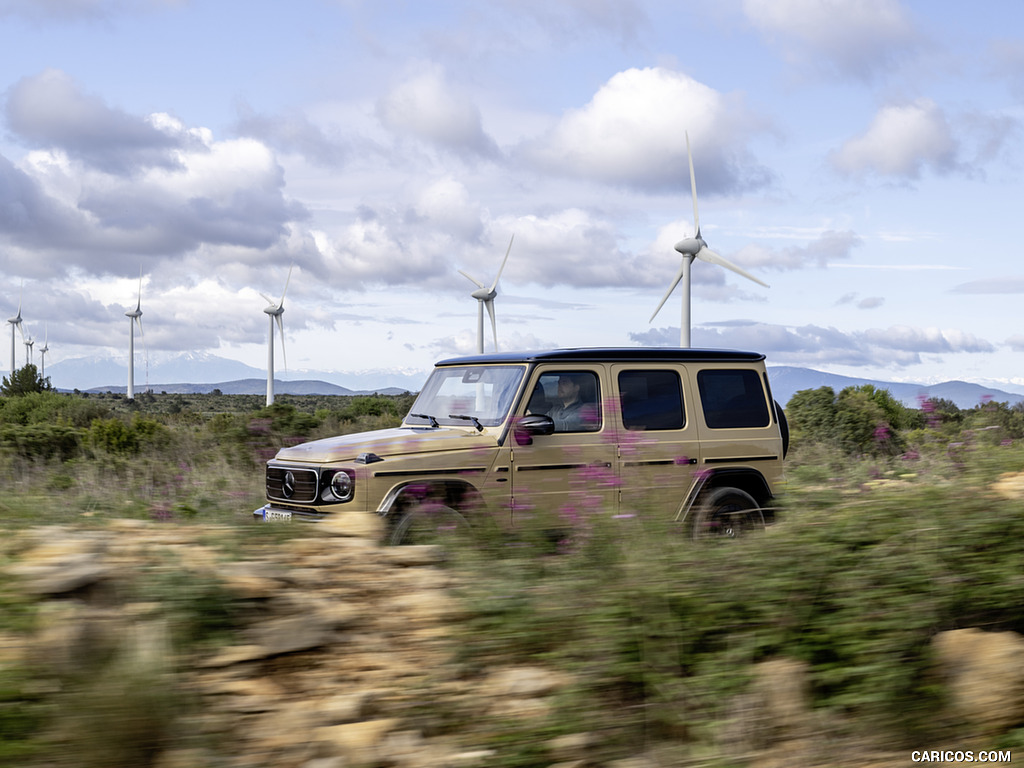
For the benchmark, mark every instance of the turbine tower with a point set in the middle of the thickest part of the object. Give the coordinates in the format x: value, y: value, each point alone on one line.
x: 29, y: 343
x: 275, y: 311
x: 485, y: 298
x: 42, y: 354
x: 135, y: 316
x: 695, y: 248
x: 16, y: 323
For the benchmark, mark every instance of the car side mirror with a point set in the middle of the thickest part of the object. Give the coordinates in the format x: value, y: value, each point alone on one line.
x: 534, y: 424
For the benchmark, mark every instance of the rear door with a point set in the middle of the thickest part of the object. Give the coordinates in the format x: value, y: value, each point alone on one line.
x: 736, y: 419
x: 658, y: 446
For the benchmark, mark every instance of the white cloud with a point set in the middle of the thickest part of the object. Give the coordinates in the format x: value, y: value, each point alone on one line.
x: 821, y: 252
x: 901, y: 141
x: 858, y: 38
x: 427, y: 107
x: 633, y: 133
x: 898, y: 346
x: 993, y: 285
x: 50, y: 110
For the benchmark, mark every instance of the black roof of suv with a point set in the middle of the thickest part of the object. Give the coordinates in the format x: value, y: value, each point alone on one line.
x: 611, y: 354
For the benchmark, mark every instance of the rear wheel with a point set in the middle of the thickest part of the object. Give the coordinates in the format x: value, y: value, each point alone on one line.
x: 727, y: 513
x: 429, y: 523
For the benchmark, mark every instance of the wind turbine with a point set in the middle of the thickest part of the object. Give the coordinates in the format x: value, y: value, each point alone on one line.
x: 135, y: 316
x: 29, y: 343
x: 275, y: 311
x: 695, y: 248
x: 485, y: 298
x: 16, y: 323
x: 42, y: 354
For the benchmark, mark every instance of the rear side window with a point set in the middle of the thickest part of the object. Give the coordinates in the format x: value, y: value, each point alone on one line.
x: 651, y: 400
x: 732, y: 399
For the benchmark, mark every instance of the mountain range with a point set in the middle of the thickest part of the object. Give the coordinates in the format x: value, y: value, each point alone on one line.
x: 202, y: 372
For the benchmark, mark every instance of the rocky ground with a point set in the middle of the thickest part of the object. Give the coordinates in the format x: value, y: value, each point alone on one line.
x: 344, y: 658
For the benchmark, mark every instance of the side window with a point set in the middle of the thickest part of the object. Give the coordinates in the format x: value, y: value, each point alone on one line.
x: 571, y: 398
x: 732, y: 399
x: 651, y: 400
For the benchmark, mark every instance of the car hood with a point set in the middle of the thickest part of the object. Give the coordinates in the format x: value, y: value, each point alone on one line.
x: 387, y: 442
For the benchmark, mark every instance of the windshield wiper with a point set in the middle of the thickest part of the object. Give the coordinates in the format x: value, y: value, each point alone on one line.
x: 474, y: 419
x: 431, y: 419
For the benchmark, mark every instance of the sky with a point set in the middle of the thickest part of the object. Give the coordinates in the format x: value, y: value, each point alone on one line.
x: 862, y: 157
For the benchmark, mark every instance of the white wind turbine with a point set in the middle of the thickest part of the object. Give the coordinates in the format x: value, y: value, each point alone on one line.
x: 695, y: 248
x: 135, y: 316
x: 29, y: 343
x: 42, y: 353
x: 275, y: 311
x: 16, y: 324
x: 485, y: 298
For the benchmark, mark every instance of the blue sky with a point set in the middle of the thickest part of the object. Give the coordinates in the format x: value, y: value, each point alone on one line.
x: 863, y: 157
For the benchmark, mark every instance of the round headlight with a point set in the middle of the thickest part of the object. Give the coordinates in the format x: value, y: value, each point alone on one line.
x: 341, y: 485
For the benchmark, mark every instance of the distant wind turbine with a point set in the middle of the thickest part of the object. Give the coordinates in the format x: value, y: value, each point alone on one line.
x: 29, y: 343
x: 16, y: 324
x: 485, y: 298
x: 695, y: 248
x: 275, y: 311
x: 135, y: 316
x: 42, y: 353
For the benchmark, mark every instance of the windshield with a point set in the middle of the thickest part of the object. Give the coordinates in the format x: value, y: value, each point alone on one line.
x: 467, y: 395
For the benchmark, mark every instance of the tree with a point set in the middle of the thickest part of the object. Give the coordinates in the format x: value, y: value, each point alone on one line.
x: 24, y: 381
x: 812, y: 415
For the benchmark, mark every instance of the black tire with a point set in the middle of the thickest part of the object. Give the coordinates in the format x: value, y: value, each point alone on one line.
x: 428, y: 524
x: 727, y: 513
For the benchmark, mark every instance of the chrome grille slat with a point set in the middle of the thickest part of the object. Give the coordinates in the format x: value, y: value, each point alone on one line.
x: 302, y: 488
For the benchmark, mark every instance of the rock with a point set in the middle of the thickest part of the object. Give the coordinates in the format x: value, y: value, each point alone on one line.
x: 984, y: 677
x: 783, y: 689
x: 572, y: 747
x: 1010, y: 485
x: 415, y: 555
x: 292, y: 633
x: 523, y: 682
x: 358, y: 743
x: 360, y: 525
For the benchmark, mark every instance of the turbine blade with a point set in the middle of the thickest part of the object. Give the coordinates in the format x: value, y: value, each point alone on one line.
x: 267, y: 299
x: 288, y: 280
x: 280, y: 326
x: 675, y: 282
x: 693, y: 187
x: 502, y: 268
x: 706, y: 254
x: 472, y: 279
x: 494, y: 326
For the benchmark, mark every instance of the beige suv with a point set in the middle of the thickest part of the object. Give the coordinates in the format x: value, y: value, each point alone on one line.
x: 691, y: 435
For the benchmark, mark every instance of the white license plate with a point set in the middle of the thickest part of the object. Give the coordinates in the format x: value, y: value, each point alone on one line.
x: 276, y: 514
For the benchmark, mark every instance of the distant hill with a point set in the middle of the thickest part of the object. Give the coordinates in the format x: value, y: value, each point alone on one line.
x: 211, y: 372
x: 206, y: 371
x: 788, y: 380
x: 254, y: 387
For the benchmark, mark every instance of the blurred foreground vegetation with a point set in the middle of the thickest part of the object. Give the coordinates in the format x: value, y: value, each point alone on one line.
x: 897, y: 524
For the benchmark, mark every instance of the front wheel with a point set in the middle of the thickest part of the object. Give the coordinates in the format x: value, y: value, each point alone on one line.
x: 727, y: 513
x: 428, y: 523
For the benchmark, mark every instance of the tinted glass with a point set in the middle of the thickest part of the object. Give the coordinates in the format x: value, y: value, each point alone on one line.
x: 651, y: 400
x: 732, y: 399
x: 571, y: 398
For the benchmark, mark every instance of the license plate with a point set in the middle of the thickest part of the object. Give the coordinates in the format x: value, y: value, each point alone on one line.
x: 276, y: 514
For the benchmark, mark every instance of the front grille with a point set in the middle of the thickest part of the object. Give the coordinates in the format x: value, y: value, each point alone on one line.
x: 289, y: 484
